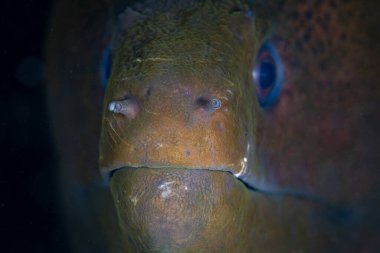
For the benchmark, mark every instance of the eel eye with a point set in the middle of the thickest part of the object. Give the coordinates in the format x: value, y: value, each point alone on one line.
x: 105, y: 67
x: 268, y: 75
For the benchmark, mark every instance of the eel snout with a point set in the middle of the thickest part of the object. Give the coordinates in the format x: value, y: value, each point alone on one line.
x: 175, y: 123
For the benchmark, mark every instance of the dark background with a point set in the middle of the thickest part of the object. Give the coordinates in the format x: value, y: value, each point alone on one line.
x: 29, y: 212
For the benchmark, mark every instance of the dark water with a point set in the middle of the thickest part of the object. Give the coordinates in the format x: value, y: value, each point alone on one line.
x: 28, y: 204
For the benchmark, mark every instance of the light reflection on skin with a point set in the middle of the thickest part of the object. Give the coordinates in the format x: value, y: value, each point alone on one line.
x: 243, y: 164
x: 166, y: 189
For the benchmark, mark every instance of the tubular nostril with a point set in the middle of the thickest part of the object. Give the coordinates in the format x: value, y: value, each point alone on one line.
x: 148, y: 92
x: 215, y: 103
x: 127, y: 107
x: 115, y: 107
x: 208, y: 104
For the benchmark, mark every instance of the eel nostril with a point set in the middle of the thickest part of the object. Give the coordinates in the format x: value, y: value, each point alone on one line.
x: 115, y: 107
x: 208, y: 104
x: 147, y: 92
x: 215, y: 103
x: 127, y: 107
x: 202, y: 102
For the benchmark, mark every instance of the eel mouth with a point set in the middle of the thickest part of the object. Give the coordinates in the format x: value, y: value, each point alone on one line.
x: 238, y: 177
x: 108, y: 174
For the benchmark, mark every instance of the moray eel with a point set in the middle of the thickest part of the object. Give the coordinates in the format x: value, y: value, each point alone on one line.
x: 227, y: 126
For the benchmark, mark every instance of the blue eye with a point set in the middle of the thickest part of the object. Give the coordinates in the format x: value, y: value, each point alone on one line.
x: 105, y: 67
x: 268, y: 75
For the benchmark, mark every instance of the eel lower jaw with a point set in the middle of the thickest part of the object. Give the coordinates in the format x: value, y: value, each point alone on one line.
x: 171, y: 209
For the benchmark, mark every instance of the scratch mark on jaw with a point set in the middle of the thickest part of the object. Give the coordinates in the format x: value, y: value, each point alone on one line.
x: 111, y: 143
x: 119, y: 137
x: 161, y: 186
x: 111, y: 140
x: 136, y: 198
x: 154, y: 113
x: 114, y: 131
x: 230, y: 92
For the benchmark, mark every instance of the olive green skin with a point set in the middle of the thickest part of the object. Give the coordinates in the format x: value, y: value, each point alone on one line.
x: 199, y: 51
x: 312, y: 157
x: 177, y: 210
x: 167, y: 69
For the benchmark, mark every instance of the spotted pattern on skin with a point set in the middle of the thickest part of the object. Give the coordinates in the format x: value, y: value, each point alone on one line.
x: 328, y: 50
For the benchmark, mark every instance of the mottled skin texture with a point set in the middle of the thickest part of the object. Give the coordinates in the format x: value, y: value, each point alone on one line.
x: 169, y: 76
x: 328, y: 108
x: 312, y: 157
x: 177, y: 210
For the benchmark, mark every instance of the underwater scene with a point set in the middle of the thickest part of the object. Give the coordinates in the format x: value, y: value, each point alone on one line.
x: 190, y: 126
